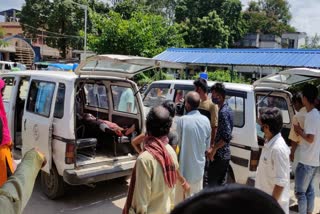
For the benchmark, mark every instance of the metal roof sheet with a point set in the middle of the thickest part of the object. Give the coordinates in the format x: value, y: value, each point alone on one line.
x: 246, y: 57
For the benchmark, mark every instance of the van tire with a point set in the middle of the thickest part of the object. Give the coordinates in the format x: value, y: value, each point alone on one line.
x: 52, y: 185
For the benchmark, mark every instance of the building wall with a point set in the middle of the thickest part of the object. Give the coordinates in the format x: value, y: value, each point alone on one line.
x: 11, y: 28
x: 269, y: 44
x: 299, y: 39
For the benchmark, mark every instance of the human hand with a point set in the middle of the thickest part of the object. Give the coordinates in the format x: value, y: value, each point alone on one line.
x: 211, y: 153
x: 291, y: 156
x: 42, y: 156
x: 298, y: 129
x: 185, y: 187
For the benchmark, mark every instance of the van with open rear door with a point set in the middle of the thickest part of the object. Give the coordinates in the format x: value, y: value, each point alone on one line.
x: 245, y: 101
x: 83, y: 121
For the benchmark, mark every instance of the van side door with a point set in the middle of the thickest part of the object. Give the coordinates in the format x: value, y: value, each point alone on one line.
x: 280, y: 99
x: 37, y: 122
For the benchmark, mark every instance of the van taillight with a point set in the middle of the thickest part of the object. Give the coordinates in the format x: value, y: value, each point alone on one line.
x: 69, y: 159
x: 254, y: 160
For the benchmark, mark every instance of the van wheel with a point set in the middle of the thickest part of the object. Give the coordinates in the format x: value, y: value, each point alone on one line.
x: 52, y: 185
x: 230, y: 178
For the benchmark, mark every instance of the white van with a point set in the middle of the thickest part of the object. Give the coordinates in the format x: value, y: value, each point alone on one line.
x: 244, y: 100
x: 6, y: 66
x: 47, y: 110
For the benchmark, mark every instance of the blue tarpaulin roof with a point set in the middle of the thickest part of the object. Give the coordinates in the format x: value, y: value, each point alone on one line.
x: 246, y: 57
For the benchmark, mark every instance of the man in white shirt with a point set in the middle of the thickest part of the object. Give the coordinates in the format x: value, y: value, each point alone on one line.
x: 126, y: 103
x: 274, y: 165
x: 298, y: 118
x: 309, y: 151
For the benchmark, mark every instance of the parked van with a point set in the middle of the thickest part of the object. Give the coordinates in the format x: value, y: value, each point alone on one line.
x: 66, y: 116
x: 6, y: 66
x: 244, y: 100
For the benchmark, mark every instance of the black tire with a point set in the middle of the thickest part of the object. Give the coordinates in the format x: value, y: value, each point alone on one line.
x: 52, y: 185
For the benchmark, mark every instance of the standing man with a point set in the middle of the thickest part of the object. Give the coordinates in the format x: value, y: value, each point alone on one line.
x: 154, y: 177
x: 194, y: 133
x: 273, y: 174
x: 298, y: 118
x: 208, y: 109
x: 126, y: 103
x: 309, y: 151
x: 219, y: 152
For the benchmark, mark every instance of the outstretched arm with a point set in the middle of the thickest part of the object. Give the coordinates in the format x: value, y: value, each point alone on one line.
x: 16, y: 192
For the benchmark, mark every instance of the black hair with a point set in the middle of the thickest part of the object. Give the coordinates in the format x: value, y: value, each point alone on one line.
x: 201, y: 83
x: 229, y: 199
x: 297, y: 98
x: 193, y: 101
x: 170, y: 106
x: 158, y: 121
x: 273, y: 118
x: 219, y: 88
x: 310, y: 92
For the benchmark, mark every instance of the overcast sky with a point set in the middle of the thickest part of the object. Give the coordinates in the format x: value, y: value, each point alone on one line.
x: 305, y: 13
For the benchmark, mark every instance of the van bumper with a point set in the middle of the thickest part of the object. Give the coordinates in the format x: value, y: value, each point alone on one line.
x: 96, y: 174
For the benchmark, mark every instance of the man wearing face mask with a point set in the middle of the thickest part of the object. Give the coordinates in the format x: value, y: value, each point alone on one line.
x: 274, y: 165
x: 219, y: 152
x: 194, y: 133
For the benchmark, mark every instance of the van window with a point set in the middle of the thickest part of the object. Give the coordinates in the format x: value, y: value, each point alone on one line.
x: 8, y: 89
x: 7, y: 67
x: 156, y: 95
x: 123, y: 99
x: 59, y: 106
x: 96, y: 95
x: 237, y: 105
x: 40, y: 97
x: 274, y: 101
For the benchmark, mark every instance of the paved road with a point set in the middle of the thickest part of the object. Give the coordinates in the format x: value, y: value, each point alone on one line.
x: 107, y: 197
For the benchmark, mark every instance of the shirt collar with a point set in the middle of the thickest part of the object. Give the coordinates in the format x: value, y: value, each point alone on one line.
x: 270, y: 143
x: 193, y: 112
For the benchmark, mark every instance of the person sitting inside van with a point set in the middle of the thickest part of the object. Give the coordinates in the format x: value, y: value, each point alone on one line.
x: 107, y: 126
x: 15, y: 67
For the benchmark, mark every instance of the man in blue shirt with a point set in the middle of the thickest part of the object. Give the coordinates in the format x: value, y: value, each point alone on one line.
x: 194, y: 131
x: 219, y: 153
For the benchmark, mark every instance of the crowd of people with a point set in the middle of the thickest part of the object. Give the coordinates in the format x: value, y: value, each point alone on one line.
x: 183, y: 163
x: 195, y: 178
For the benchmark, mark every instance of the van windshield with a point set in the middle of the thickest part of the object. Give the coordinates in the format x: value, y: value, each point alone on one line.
x: 156, y: 95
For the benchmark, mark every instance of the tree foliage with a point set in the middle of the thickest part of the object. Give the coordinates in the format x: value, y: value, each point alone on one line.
x: 34, y: 15
x: 61, y: 21
x: 224, y: 76
x: 233, y: 18
x: 142, y: 34
x: 207, y: 32
x: 312, y: 42
x: 2, y: 42
x: 268, y: 17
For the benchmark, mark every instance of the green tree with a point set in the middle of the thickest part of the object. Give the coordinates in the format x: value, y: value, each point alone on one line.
x: 142, y: 34
x: 224, y: 76
x: 2, y: 42
x: 232, y: 16
x: 207, y: 32
x: 269, y: 17
x: 65, y: 19
x: 312, y: 42
x: 194, y: 9
x: 34, y: 16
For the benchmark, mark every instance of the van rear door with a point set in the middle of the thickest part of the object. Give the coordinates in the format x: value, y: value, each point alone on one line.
x: 38, y: 118
x: 270, y: 97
